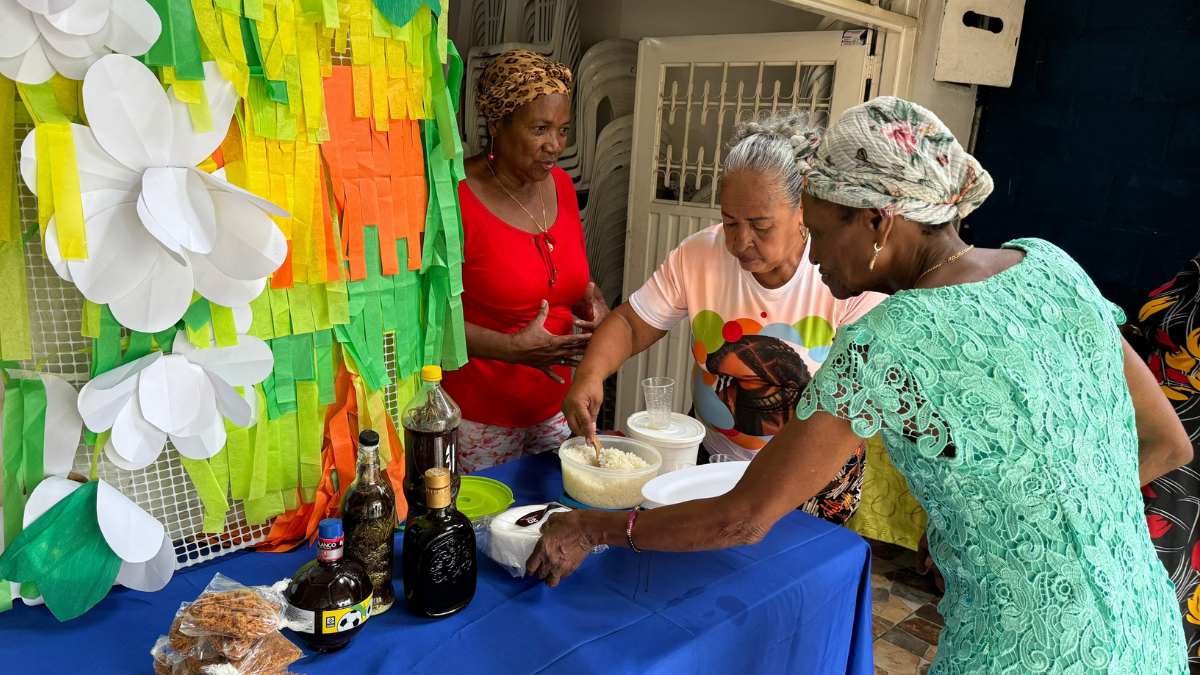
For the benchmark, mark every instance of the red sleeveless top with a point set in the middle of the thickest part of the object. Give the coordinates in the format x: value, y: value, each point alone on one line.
x: 507, y: 272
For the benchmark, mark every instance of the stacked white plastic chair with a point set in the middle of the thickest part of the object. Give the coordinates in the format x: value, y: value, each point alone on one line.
x: 607, y: 74
x: 605, y: 216
x: 547, y: 27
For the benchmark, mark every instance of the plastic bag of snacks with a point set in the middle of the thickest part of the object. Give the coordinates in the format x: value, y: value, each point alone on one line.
x: 230, y: 629
x: 227, y: 608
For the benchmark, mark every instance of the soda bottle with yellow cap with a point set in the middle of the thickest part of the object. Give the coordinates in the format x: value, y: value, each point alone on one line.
x: 430, y: 438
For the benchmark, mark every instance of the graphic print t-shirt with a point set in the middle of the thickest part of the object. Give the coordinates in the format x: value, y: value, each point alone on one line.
x: 755, y: 348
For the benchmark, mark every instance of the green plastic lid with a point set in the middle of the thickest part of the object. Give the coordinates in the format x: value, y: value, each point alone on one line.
x: 479, y: 496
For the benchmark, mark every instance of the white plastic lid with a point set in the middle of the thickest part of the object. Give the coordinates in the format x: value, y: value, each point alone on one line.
x: 683, y: 431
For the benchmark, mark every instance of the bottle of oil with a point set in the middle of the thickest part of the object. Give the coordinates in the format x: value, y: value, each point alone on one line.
x: 430, y: 438
x: 369, y: 516
x: 329, y: 599
x: 439, y: 553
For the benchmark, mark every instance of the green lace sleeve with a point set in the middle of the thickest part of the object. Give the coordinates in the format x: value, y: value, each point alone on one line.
x: 868, y: 385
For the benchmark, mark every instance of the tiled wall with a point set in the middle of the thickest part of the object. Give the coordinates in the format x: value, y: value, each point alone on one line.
x: 1096, y: 146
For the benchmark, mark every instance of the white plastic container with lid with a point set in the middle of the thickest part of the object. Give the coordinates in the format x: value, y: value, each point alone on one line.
x: 679, y: 443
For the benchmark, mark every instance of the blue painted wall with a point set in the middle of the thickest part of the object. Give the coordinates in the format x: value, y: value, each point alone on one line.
x: 1096, y: 147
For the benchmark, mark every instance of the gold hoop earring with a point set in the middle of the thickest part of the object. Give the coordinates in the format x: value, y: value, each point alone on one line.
x: 874, y: 258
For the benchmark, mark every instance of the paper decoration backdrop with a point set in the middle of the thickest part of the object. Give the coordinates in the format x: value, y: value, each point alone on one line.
x: 237, y: 225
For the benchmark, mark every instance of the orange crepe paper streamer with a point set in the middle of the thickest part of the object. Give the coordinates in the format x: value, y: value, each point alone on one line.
x: 377, y: 178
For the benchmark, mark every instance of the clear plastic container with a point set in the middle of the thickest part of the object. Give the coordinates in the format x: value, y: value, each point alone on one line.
x: 607, y: 488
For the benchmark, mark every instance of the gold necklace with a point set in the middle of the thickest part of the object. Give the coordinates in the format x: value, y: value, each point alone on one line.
x: 947, y: 261
x: 543, y: 226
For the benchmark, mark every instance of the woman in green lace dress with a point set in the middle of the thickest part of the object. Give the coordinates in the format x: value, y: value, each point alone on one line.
x: 1005, y: 394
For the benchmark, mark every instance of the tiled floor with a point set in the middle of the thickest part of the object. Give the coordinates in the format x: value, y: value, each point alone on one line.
x: 907, y: 623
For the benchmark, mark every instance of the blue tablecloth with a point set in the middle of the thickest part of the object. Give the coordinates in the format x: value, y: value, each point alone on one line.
x: 799, y: 602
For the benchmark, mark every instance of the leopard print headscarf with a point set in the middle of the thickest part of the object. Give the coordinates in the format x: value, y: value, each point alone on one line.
x: 515, y: 78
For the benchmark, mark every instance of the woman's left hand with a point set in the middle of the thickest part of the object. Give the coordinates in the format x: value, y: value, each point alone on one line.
x: 590, y: 310
x: 561, y: 550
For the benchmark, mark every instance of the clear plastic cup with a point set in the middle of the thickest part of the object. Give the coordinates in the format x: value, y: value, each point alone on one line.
x: 659, y: 393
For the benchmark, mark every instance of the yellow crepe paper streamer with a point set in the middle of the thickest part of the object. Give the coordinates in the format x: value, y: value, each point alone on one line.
x: 15, y: 340
x: 52, y: 106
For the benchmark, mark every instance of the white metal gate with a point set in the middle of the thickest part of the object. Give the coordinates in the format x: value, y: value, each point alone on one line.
x: 691, y: 91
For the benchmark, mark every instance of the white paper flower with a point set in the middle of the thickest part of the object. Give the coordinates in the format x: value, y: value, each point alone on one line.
x: 184, y: 396
x: 147, y: 555
x: 158, y: 228
x: 67, y: 36
x: 139, y: 540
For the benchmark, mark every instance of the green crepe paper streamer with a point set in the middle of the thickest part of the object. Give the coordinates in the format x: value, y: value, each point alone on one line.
x: 14, y: 463
x: 310, y: 425
x: 237, y: 447
x: 285, y: 381
x: 275, y: 469
x: 407, y: 302
x: 311, y: 9
x: 212, y: 496
x: 224, y: 329
x: 65, y: 554
x: 303, y: 367
x: 329, y: 11
x: 264, y: 508
x: 106, y: 349
x: 166, y: 339
x: 162, y: 52
x: 401, y: 12
x: 372, y: 307
x: 33, y: 393
x: 454, y: 354
x: 281, y: 312
x: 261, y: 440
x: 139, y: 346
x: 339, y: 304
x: 5, y: 596
x: 289, y: 451
x: 198, y: 315
x: 290, y: 499
x: 220, y: 468
x: 230, y: 6
x: 323, y: 345
x: 262, y: 326
x: 268, y: 387
x: 186, y: 42
x: 301, y: 308
x: 276, y: 90
x: 179, y: 43
x: 253, y: 9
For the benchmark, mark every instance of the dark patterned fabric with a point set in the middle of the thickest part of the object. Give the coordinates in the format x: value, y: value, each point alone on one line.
x: 1168, y: 335
x: 515, y: 78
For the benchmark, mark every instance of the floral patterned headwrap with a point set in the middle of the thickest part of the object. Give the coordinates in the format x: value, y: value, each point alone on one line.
x: 895, y: 155
x: 515, y: 78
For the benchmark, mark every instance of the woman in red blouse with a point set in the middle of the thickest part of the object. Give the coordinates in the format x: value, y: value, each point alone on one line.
x: 528, y: 301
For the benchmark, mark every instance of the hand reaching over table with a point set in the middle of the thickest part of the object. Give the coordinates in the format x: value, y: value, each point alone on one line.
x: 561, y: 550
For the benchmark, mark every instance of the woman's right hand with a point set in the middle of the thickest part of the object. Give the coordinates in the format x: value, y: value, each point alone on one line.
x: 537, y: 347
x: 582, y: 405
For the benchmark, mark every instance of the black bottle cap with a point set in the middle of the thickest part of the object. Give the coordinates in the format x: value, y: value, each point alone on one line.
x: 368, y: 437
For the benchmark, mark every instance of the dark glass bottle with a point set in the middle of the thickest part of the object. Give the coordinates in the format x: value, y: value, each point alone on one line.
x: 430, y: 438
x: 439, y: 553
x: 369, y: 516
x: 329, y: 599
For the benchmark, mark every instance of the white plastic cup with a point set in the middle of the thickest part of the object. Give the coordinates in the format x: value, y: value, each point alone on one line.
x: 659, y: 393
x: 678, y: 443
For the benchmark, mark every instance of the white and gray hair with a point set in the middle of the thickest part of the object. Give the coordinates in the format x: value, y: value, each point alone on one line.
x: 782, y: 146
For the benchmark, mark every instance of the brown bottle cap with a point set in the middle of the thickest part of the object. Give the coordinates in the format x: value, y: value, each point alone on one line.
x: 437, y: 488
x: 437, y: 477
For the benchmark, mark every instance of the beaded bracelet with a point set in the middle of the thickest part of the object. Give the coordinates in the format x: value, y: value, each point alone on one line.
x: 629, y: 530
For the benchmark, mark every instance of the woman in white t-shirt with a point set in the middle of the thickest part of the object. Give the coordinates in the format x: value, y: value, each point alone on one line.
x: 762, y: 320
